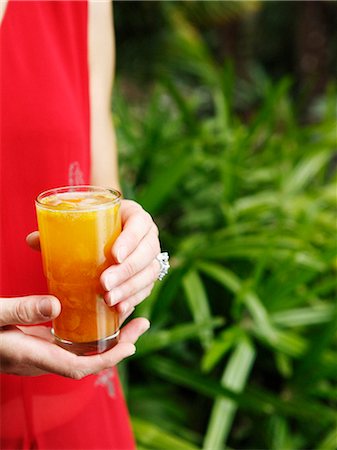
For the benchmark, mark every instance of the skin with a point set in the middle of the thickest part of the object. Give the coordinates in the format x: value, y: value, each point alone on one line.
x: 31, y: 351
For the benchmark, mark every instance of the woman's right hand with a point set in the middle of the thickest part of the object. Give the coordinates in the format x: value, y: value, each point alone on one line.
x: 31, y: 351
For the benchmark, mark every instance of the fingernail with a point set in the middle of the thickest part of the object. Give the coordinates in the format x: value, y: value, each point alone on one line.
x: 127, y: 313
x: 108, y: 283
x: 108, y: 299
x: 122, y: 253
x: 45, y: 307
x: 146, y: 326
x: 124, y: 307
x: 113, y: 297
x: 132, y: 350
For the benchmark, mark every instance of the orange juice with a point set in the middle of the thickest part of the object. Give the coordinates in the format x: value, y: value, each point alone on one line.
x: 78, y: 226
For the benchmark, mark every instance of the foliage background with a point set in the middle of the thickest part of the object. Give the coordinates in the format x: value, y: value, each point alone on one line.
x: 226, y: 122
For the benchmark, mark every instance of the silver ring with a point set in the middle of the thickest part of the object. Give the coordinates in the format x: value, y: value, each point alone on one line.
x: 163, y: 259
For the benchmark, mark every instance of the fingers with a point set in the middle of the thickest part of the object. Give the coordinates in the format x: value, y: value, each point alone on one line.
x: 124, y: 307
x: 143, y: 256
x: 41, y: 331
x: 138, y: 271
x: 77, y: 367
x: 28, y: 310
x: 127, y: 311
x: 25, y: 354
x: 125, y: 348
x: 134, y: 285
x: 33, y: 240
x: 136, y: 224
x: 137, y: 247
x: 133, y: 330
x: 22, y: 354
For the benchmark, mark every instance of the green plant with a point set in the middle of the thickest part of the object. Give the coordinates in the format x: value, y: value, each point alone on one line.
x: 242, y: 352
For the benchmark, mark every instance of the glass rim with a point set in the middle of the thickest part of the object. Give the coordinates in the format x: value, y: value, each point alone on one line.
x: 79, y: 188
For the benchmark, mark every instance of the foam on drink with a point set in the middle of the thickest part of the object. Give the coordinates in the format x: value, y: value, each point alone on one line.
x: 77, y: 200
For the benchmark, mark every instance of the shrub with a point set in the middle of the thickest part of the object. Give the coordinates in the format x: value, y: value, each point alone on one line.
x: 242, y: 351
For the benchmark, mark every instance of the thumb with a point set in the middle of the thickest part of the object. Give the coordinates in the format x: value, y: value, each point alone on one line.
x: 28, y: 310
x: 33, y: 240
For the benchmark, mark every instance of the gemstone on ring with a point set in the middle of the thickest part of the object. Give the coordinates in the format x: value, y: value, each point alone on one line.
x: 163, y: 259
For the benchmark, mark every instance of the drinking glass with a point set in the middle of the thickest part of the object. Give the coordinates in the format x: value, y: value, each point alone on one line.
x: 78, y: 226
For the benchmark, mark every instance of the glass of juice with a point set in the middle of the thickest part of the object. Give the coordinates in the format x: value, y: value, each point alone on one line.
x: 78, y: 226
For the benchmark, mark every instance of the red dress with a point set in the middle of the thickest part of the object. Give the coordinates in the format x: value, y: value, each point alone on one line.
x: 45, y: 136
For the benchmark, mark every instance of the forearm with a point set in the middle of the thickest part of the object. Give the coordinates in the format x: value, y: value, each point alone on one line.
x: 104, y: 157
x: 104, y: 160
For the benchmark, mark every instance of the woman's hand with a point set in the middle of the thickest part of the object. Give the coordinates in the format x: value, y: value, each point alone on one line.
x: 131, y: 281
x: 31, y: 351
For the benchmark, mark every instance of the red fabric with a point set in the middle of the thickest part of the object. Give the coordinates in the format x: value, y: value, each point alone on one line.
x: 45, y: 143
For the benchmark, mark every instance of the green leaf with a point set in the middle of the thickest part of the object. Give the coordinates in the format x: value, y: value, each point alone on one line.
x: 187, y: 113
x: 254, y: 247
x: 306, y: 170
x: 329, y: 442
x: 225, y: 277
x: 199, y: 304
x: 285, y: 342
x: 145, y: 308
x: 303, y: 316
x: 254, y: 400
x: 314, y: 352
x: 254, y: 305
x: 163, y: 183
x: 219, y: 347
x: 283, y: 364
x: 256, y: 203
x: 245, y: 196
x: 260, y: 316
x: 153, y: 437
x: 280, y: 434
x: 234, y: 377
x: 171, y: 285
x: 157, y: 340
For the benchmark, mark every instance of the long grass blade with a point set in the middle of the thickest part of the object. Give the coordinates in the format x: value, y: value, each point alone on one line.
x: 220, y: 346
x: 230, y: 281
x: 199, y: 304
x: 329, y: 442
x: 253, y: 400
x: 223, y: 412
x: 280, y: 437
x: 153, y: 437
x: 306, y: 170
x: 303, y: 316
x: 157, y: 340
x: 162, y: 185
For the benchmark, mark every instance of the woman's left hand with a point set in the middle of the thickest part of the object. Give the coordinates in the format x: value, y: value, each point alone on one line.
x: 131, y: 280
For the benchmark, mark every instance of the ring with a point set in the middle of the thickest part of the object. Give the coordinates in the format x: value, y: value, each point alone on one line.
x: 163, y: 259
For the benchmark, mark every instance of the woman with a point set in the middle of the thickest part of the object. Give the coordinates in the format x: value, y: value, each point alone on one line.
x: 57, y: 61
